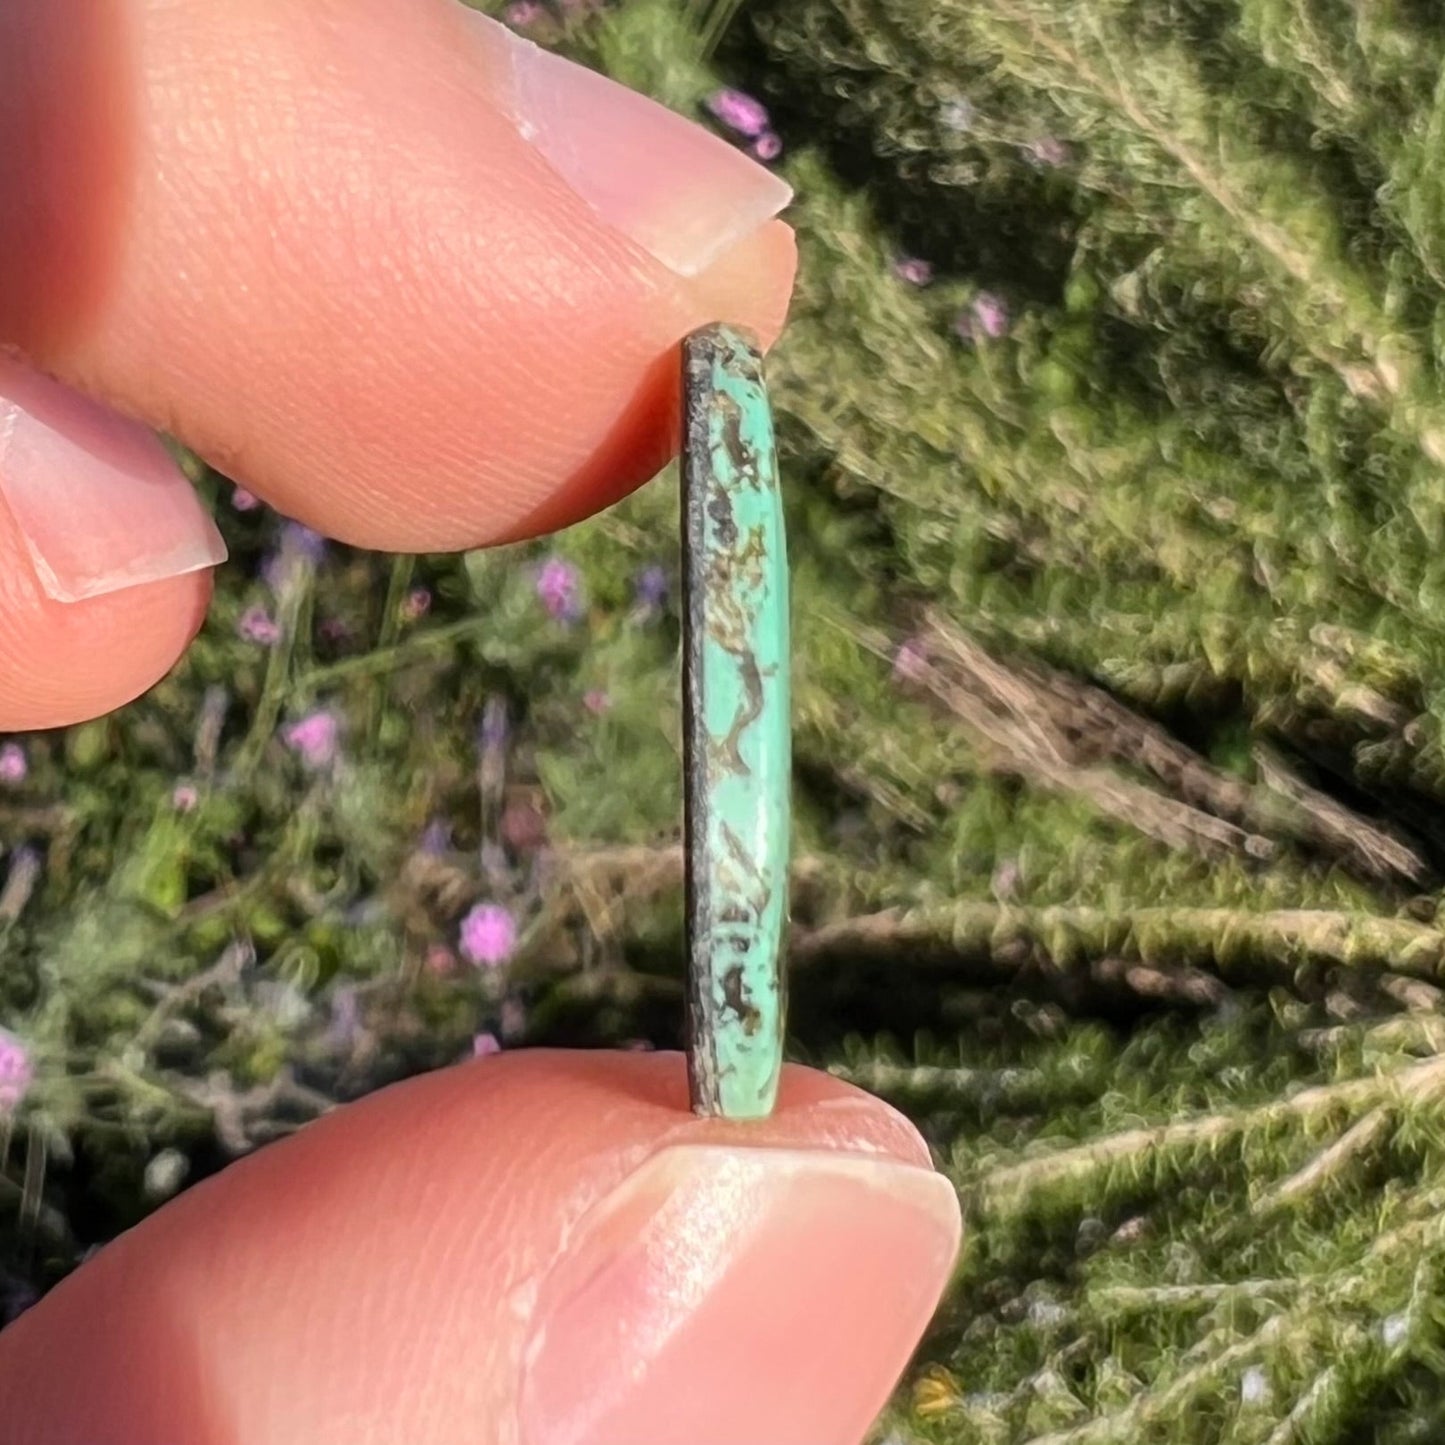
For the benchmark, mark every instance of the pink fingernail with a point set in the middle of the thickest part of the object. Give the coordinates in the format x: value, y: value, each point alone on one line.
x: 680, y: 192
x: 96, y: 497
x: 727, y: 1294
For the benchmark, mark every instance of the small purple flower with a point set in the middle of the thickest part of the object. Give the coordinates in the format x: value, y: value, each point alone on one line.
x: 559, y: 585
x: 257, y: 625
x: 488, y: 935
x: 416, y: 604
x: 596, y: 701
x: 244, y: 501
x: 185, y: 798
x: 300, y: 549
x: 767, y: 147
x: 313, y: 738
x: 1048, y: 151
x: 910, y: 663
x: 302, y: 542
x: 914, y: 270
x: 17, y: 1071
x: 522, y: 14
x: 987, y: 316
x: 739, y: 112
x: 992, y: 313
x: 14, y: 765
x: 485, y: 1045
x: 651, y: 588
x: 436, y: 838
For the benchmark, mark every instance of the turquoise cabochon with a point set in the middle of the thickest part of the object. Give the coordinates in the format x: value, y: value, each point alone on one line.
x: 738, y: 744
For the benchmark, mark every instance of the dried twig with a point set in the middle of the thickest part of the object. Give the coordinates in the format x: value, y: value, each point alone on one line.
x: 1235, y: 943
x: 1015, y: 726
x: 1317, y: 1397
x: 1059, y: 722
x: 1140, y: 1299
x: 1130, y: 1423
x: 1372, y: 849
x: 246, y: 1118
x: 1415, y: 1084
x: 1362, y: 1137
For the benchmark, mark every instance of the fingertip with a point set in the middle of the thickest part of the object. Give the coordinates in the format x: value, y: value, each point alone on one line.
x: 428, y: 300
x: 547, y: 1241
x: 105, y: 555
x: 64, y: 663
x: 751, y: 286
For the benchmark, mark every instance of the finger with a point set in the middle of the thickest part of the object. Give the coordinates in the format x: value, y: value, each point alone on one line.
x: 104, y: 556
x: 416, y: 282
x: 537, y: 1249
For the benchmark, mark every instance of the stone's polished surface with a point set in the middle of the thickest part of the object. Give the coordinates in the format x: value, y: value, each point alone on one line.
x: 737, y: 727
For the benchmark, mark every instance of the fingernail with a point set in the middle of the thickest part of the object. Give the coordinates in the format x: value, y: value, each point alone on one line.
x: 96, y: 497
x: 726, y: 1294
x: 677, y: 190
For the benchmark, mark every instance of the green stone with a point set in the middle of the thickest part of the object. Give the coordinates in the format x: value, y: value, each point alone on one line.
x: 737, y: 728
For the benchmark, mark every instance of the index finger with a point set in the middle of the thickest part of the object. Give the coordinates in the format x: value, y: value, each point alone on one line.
x: 415, y: 281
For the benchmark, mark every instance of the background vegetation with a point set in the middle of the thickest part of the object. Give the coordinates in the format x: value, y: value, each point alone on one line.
x: 1116, y: 459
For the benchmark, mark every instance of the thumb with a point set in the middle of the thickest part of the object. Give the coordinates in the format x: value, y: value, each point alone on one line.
x: 414, y: 281
x: 538, y: 1249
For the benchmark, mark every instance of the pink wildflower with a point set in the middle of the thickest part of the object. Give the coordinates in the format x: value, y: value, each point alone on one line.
x: 185, y: 798
x: 14, y: 765
x: 16, y: 1070
x: 739, y: 112
x: 522, y: 14
x: 485, y: 1045
x: 767, y: 147
x: 244, y: 501
x: 313, y: 738
x: 913, y: 270
x: 488, y: 935
x: 1048, y: 151
x: 257, y: 625
x: 910, y: 663
x: 559, y: 587
x: 988, y: 315
x: 992, y: 313
x: 596, y: 701
x: 416, y: 605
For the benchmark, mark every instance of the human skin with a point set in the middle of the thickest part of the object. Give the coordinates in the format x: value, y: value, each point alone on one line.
x: 401, y: 280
